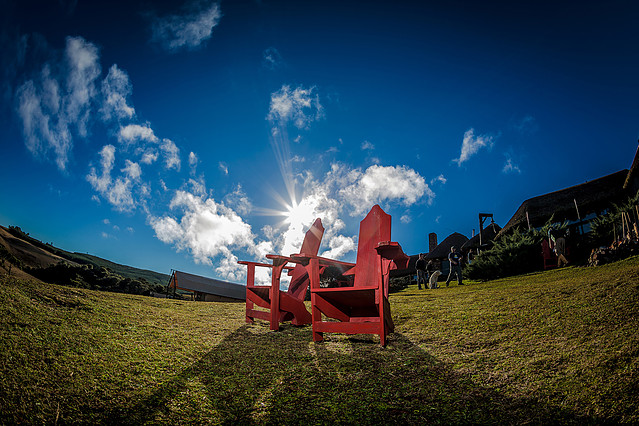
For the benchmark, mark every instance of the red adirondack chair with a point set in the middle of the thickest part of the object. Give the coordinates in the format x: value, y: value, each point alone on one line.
x: 282, y: 306
x: 363, y: 307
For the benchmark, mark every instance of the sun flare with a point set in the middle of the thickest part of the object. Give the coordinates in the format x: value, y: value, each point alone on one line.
x: 300, y: 214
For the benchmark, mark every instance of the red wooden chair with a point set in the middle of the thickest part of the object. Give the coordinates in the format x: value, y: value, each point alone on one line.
x: 363, y: 307
x: 282, y: 306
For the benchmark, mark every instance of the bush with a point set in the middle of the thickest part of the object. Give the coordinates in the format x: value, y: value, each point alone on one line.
x: 88, y: 276
x: 513, y: 254
x: 605, y: 228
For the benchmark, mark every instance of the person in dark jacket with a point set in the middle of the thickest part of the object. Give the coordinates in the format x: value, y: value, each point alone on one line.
x: 420, y: 266
x: 454, y: 258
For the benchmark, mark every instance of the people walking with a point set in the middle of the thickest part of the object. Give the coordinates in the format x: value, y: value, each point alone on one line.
x: 454, y: 258
x: 420, y: 266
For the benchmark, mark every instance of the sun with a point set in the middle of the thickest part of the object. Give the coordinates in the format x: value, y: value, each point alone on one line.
x: 298, y: 215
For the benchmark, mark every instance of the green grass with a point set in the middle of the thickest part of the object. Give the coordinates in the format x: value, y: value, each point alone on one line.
x: 554, y: 347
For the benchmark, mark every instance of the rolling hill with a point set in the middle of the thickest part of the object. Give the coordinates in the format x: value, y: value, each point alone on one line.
x: 33, y: 253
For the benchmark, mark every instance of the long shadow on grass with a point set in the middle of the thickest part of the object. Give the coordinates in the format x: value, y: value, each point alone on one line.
x: 256, y: 376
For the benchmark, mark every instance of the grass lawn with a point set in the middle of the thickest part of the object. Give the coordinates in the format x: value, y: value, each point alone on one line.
x: 553, y: 347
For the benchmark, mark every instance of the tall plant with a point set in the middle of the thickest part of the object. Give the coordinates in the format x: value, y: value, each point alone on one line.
x: 515, y: 253
x: 606, y: 227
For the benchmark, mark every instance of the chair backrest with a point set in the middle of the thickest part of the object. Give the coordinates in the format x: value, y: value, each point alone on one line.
x: 299, y: 276
x: 373, y: 229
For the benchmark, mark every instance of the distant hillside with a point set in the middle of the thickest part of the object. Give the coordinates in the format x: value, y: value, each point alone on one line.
x: 33, y: 253
x: 123, y: 270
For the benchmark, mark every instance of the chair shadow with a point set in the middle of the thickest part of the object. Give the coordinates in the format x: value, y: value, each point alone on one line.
x: 256, y: 376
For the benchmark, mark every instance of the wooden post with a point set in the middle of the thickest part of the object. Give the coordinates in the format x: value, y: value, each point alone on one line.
x: 250, y: 282
x: 316, y: 315
x: 275, y: 294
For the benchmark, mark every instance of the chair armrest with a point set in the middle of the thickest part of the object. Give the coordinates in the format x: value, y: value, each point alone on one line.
x: 304, y: 259
x: 245, y: 262
x: 393, y: 251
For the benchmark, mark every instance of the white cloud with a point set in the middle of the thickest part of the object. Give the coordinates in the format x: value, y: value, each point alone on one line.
x: 52, y: 106
x: 198, y: 187
x: 510, y: 167
x: 171, y: 154
x: 84, y: 69
x: 101, y: 183
x: 339, y: 246
x: 378, y: 184
x: 41, y: 133
x: 135, y: 132
x: 120, y: 196
x: 223, y: 167
x: 207, y: 230
x: 132, y: 170
x: 367, y: 146
x: 193, y: 162
x: 406, y: 219
x: 271, y: 58
x: 472, y: 144
x: 115, y: 90
x: 439, y: 179
x: 149, y: 156
x: 239, y: 201
x: 118, y: 192
x: 300, y: 106
x: 188, y: 30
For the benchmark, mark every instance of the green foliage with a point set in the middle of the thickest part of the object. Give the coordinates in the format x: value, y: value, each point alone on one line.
x: 604, y: 228
x: 91, y: 277
x: 399, y: 283
x: 94, y: 261
x: 122, y: 270
x: 515, y: 253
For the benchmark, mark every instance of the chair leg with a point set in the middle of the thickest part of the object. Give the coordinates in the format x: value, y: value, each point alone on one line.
x: 249, y: 306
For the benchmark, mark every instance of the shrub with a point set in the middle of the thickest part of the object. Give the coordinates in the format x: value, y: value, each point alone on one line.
x: 606, y: 227
x: 513, y: 254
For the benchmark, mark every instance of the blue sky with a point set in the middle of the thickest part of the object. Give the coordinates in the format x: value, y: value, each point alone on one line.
x: 190, y: 135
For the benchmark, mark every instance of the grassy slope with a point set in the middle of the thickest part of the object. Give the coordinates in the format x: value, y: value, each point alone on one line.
x: 560, y: 346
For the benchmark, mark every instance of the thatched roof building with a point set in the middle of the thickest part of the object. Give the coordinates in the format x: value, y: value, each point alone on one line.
x: 207, y: 289
x: 488, y: 234
x: 572, y: 204
x: 441, y: 251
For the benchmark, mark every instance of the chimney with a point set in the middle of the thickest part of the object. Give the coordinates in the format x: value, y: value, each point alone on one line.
x: 432, y: 242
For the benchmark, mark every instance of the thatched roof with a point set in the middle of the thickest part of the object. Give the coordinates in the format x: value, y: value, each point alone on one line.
x: 441, y: 251
x: 206, y: 285
x: 591, y: 197
x: 488, y: 234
